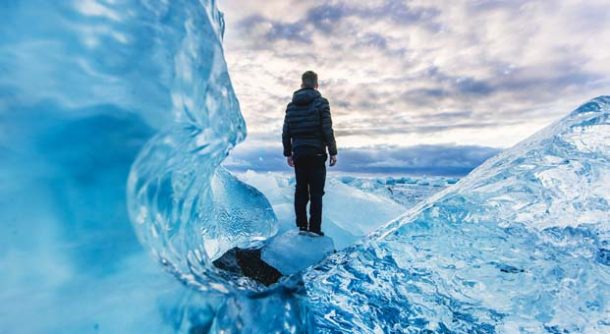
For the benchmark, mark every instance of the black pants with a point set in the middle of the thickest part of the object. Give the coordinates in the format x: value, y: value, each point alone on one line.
x: 310, y: 171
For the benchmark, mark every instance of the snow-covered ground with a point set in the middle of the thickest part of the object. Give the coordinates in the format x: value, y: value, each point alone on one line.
x: 354, y: 205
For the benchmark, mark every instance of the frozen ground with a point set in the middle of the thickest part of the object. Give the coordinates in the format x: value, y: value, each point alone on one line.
x: 354, y: 204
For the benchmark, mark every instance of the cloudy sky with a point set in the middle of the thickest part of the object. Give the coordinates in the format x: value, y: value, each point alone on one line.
x: 421, y: 82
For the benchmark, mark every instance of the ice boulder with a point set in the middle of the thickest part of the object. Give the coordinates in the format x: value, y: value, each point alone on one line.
x: 518, y: 246
x: 283, y: 255
x: 294, y: 251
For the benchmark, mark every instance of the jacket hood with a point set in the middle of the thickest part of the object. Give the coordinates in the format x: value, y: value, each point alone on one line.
x: 305, y: 96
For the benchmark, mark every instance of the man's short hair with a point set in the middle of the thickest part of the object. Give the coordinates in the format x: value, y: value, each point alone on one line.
x: 309, y: 79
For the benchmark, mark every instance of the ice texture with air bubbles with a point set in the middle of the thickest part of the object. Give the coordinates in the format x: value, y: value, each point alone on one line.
x: 520, y: 245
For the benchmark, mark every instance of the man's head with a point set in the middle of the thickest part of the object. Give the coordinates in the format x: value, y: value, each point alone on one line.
x: 309, y: 79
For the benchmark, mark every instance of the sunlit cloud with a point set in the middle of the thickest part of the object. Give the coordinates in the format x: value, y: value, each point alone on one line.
x: 413, y: 73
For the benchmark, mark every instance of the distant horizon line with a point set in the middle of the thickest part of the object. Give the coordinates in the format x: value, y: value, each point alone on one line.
x: 392, y: 172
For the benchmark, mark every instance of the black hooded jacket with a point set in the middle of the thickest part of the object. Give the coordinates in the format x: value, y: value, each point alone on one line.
x: 308, y: 123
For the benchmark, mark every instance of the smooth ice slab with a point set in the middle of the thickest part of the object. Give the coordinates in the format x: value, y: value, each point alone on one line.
x: 292, y: 251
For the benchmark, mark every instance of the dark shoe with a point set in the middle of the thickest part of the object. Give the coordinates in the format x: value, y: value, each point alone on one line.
x: 319, y: 233
x: 302, y: 229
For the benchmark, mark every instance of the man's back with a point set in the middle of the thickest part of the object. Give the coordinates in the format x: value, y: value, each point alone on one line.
x: 308, y: 124
x: 307, y: 135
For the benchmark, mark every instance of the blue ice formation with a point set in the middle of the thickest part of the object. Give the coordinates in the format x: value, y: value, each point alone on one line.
x: 84, y: 86
x: 520, y: 245
x: 185, y: 208
x: 141, y: 83
x: 292, y: 252
x: 104, y: 103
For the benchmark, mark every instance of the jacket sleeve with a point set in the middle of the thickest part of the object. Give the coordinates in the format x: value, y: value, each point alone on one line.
x: 327, y: 127
x: 286, y: 138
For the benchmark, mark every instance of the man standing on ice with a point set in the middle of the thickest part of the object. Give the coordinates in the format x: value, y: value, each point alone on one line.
x: 307, y: 133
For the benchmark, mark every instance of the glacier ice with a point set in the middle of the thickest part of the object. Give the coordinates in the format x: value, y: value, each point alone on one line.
x: 353, y: 207
x: 99, y: 95
x: 87, y: 88
x: 292, y: 251
x: 518, y: 246
x: 276, y: 260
